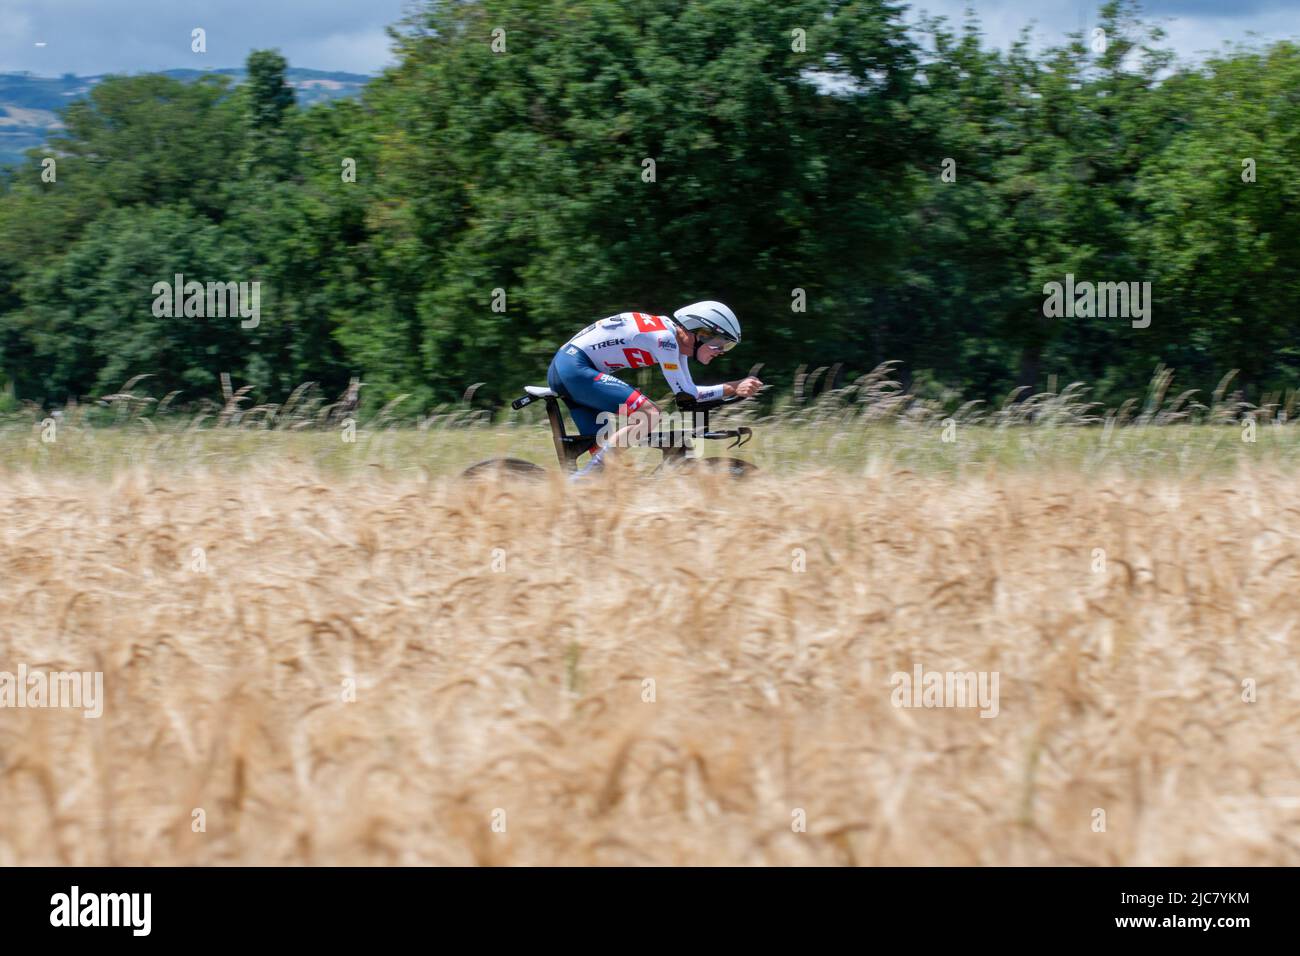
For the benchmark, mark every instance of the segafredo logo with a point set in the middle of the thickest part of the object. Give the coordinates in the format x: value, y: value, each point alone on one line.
x: 103, y: 909
x: 194, y: 300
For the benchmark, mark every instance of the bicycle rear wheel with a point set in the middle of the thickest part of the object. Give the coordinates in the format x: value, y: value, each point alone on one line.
x: 496, y: 469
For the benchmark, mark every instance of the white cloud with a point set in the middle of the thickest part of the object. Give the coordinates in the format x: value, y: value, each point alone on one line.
x: 1190, y: 35
x: 359, y: 51
x: 1192, y: 26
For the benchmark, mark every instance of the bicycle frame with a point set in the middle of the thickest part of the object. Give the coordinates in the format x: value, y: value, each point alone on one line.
x: 674, y: 443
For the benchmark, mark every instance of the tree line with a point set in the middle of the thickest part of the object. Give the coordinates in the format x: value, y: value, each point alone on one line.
x: 857, y: 189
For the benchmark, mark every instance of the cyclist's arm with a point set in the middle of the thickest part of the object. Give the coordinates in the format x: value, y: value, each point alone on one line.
x: 735, y: 388
x: 678, y: 374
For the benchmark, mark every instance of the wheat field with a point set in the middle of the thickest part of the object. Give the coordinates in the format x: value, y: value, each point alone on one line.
x: 308, y: 668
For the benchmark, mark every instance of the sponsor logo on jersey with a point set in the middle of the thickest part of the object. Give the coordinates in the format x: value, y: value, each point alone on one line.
x: 639, y: 358
x: 668, y: 344
x: 572, y: 350
x: 609, y: 344
x: 671, y: 366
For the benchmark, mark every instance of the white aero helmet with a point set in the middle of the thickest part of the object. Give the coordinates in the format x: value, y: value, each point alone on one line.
x: 709, y: 320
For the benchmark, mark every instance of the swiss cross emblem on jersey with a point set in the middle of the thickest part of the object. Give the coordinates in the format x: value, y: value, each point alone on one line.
x: 640, y: 358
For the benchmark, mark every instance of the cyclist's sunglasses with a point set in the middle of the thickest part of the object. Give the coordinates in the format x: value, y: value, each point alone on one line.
x: 719, y: 343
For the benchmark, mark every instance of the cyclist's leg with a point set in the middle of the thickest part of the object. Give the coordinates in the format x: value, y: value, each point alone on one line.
x: 584, y: 419
x: 587, y: 391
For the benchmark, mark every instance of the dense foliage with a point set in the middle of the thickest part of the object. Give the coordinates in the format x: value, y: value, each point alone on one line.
x: 795, y: 146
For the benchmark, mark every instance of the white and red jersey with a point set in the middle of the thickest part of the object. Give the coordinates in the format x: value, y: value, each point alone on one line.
x: 639, y: 340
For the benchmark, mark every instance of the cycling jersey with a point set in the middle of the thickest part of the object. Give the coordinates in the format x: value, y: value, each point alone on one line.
x: 639, y: 340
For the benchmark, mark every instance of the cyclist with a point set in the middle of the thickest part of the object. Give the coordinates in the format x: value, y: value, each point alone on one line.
x: 581, y: 372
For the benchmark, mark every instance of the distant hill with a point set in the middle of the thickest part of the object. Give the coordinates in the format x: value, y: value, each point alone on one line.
x: 28, y: 103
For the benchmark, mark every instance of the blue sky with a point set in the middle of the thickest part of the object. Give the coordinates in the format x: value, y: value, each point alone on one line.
x: 101, y: 36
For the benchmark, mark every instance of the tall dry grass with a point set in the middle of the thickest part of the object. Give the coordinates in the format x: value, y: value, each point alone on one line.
x: 870, y: 423
x: 520, y: 686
